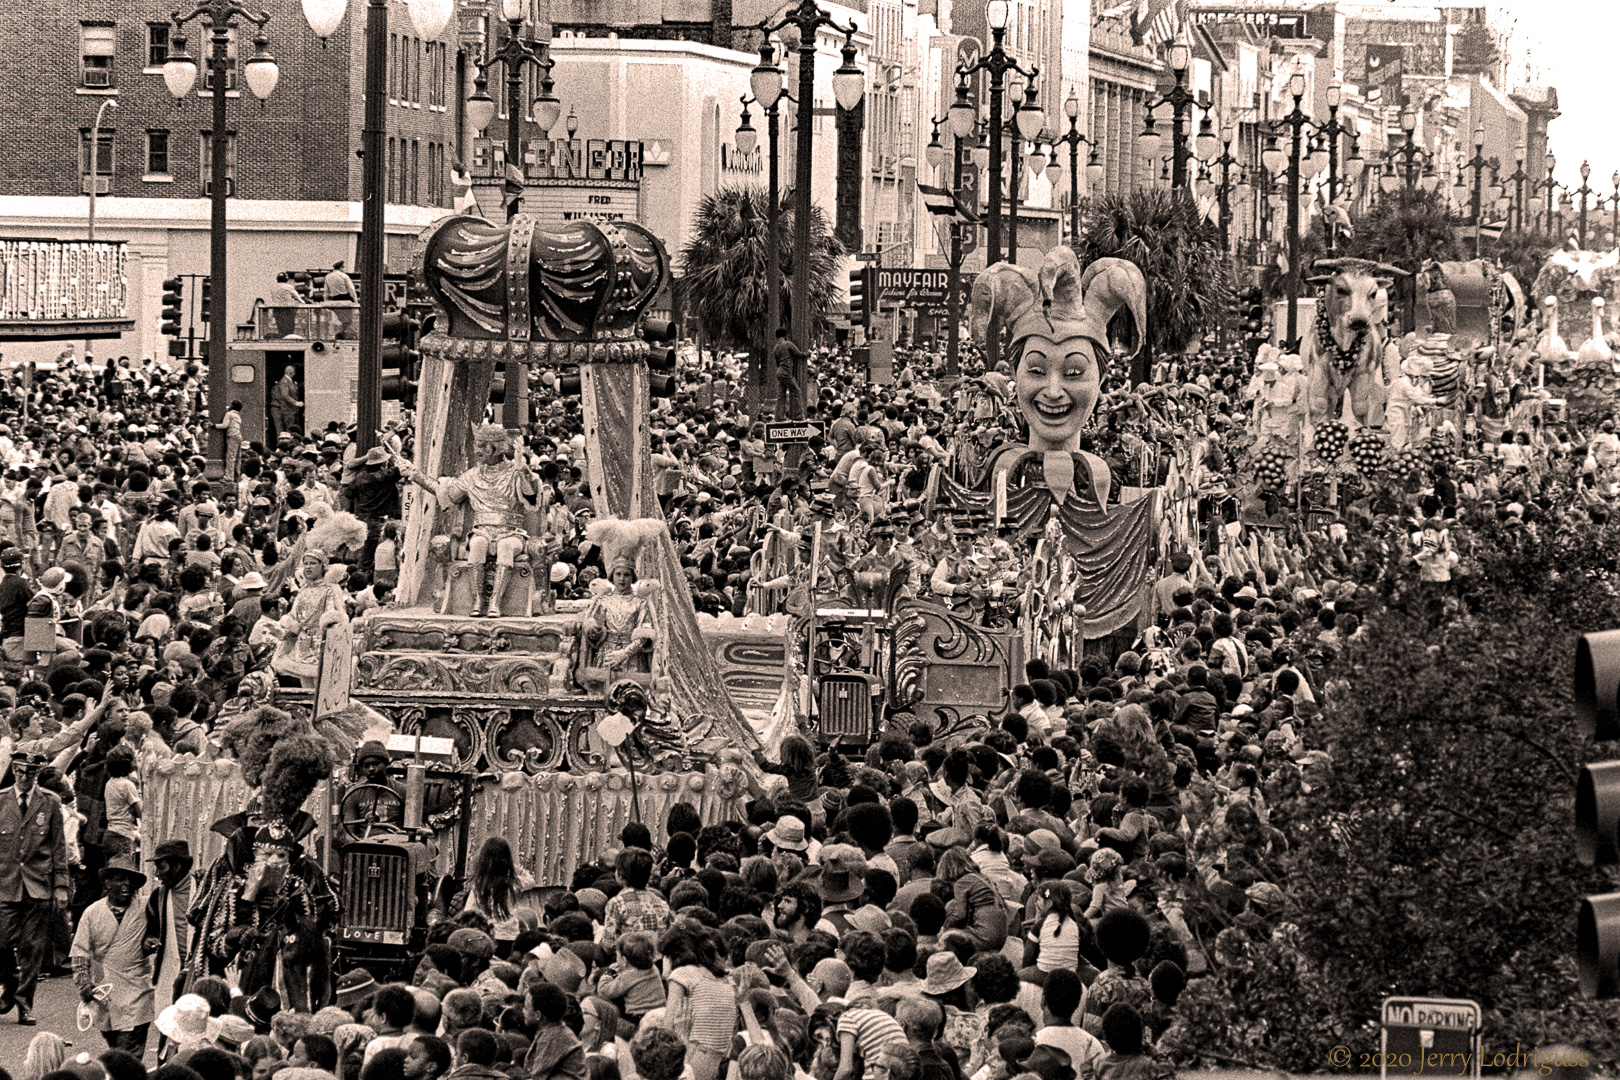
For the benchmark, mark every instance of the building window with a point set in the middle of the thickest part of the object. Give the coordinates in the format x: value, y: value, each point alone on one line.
x: 157, y: 153
x: 206, y: 158
x: 206, y: 61
x: 435, y: 155
x: 393, y: 171
x: 416, y: 70
x: 393, y: 67
x: 416, y: 172
x: 98, y: 43
x: 103, y: 156
x: 436, y: 65
x: 157, y: 44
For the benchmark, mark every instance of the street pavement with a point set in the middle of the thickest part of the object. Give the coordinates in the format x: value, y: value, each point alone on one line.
x: 56, y: 1008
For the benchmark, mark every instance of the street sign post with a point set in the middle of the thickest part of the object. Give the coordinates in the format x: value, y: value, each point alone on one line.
x: 796, y: 431
x: 1429, y: 1036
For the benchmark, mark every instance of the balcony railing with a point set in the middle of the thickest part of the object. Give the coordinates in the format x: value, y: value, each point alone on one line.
x: 334, y: 321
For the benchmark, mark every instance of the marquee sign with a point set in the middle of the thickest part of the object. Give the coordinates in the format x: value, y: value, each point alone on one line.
x: 575, y: 202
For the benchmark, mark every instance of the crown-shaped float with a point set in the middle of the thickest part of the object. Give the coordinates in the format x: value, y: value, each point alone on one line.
x: 570, y: 282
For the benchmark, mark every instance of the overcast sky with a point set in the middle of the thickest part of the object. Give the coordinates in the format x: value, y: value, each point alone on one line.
x: 1574, y: 45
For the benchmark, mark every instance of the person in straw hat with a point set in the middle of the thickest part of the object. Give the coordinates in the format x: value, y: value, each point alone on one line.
x: 187, y: 1024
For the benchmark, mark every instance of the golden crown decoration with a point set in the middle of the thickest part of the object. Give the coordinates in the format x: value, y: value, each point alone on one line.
x: 551, y: 293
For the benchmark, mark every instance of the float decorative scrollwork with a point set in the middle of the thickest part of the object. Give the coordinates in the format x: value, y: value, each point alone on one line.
x: 532, y: 742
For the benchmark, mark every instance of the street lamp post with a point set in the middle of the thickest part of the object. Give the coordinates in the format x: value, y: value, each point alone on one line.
x: 1296, y: 121
x: 1477, y: 163
x: 766, y: 83
x: 1331, y: 132
x: 1029, y: 121
x: 935, y: 156
x: 95, y: 181
x: 1517, y: 178
x: 848, y: 88
x: 1071, y: 109
x: 324, y: 17
x: 1179, y: 98
x: 1224, y: 198
x: 1614, y: 204
x: 179, y: 75
x: 1550, y: 185
x: 512, y: 55
x: 1584, y: 192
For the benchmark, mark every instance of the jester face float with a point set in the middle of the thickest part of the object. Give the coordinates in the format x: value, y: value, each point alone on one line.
x: 1056, y: 388
x: 1056, y: 320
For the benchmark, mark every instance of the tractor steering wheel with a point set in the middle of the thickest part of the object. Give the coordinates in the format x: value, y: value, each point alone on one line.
x: 361, y: 806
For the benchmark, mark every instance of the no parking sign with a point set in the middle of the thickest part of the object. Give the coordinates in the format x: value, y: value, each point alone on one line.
x: 1430, y: 1035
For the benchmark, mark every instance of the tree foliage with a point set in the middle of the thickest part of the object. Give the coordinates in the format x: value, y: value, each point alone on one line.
x: 724, y: 266
x: 1180, y: 254
x: 1438, y: 860
x: 1404, y: 230
x: 1523, y: 254
x: 1474, y: 52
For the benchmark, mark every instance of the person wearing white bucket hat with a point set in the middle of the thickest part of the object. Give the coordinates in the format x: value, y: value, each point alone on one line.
x: 187, y: 1024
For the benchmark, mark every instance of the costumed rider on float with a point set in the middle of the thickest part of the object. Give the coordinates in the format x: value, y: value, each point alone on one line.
x: 497, y: 491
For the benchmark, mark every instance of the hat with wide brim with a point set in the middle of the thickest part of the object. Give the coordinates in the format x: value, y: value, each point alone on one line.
x: 124, y: 864
x: 789, y: 834
x: 188, y: 1020
x: 946, y: 973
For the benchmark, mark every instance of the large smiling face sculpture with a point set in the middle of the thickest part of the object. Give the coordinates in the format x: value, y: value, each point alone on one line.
x: 1056, y: 326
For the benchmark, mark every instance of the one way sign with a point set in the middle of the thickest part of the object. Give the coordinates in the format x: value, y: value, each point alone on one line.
x: 792, y: 431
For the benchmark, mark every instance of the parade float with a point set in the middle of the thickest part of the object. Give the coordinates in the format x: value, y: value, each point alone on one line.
x: 866, y: 651
x: 484, y: 710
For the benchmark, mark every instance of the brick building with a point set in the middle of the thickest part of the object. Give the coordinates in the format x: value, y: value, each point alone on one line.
x: 295, y: 195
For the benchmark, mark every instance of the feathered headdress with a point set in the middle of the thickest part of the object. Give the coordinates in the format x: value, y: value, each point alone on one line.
x: 297, y: 764
x: 621, y: 539
x: 253, y: 736
x: 332, y: 529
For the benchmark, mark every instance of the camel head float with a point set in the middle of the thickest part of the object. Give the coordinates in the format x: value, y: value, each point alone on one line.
x: 1055, y: 323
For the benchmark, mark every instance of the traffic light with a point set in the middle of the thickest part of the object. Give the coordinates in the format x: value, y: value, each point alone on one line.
x: 399, y: 332
x: 659, y: 334
x: 1254, y: 314
x: 1597, y: 811
x: 858, y: 311
x: 173, y: 307
x: 204, y: 304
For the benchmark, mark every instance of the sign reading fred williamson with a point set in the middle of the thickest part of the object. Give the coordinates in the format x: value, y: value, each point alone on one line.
x: 583, y: 179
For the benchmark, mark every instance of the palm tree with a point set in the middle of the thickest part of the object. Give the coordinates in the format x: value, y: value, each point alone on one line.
x: 723, y: 264
x: 1180, y: 254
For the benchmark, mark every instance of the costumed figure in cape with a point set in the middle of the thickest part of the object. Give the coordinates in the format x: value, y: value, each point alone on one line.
x: 263, y: 907
x: 319, y: 606
x: 619, y: 632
